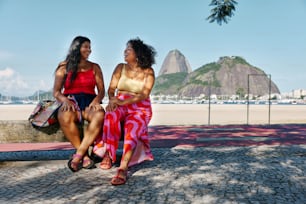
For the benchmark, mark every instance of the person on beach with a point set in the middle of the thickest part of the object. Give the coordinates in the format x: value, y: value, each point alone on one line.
x: 129, y: 104
x: 79, y: 86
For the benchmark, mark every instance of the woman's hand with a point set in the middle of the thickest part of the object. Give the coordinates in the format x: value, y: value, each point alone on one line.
x: 95, y: 106
x: 111, y: 107
x: 113, y: 104
x: 68, y: 106
x: 116, y: 101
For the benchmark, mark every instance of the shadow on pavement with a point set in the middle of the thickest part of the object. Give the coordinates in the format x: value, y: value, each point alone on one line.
x: 266, y: 174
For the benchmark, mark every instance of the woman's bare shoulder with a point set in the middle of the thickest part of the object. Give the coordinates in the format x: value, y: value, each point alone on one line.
x: 150, y: 70
x: 62, y: 64
x: 95, y: 66
x: 62, y: 67
x: 119, y: 67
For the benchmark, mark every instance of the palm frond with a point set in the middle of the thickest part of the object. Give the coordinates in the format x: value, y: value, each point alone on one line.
x: 223, y: 10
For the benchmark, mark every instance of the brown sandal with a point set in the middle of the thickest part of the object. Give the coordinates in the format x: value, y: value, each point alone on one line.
x: 118, y: 179
x: 106, y: 163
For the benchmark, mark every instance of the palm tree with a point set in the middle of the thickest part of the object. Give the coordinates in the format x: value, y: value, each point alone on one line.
x: 223, y: 10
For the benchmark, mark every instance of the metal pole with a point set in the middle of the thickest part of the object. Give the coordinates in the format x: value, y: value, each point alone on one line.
x: 248, y: 99
x: 269, y: 98
x: 209, y: 92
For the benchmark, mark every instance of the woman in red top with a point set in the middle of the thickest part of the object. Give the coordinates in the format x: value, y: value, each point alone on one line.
x: 74, y: 86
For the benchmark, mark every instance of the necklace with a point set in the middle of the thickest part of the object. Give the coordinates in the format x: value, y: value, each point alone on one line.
x: 134, y: 73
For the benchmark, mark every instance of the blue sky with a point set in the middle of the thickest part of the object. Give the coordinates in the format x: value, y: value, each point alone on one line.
x: 35, y: 36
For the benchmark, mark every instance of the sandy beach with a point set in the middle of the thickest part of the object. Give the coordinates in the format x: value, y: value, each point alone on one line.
x: 197, y: 114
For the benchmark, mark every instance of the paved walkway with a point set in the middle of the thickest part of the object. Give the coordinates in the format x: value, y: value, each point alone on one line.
x: 194, y: 164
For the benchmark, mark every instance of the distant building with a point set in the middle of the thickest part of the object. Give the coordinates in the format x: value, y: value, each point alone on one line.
x: 299, y: 93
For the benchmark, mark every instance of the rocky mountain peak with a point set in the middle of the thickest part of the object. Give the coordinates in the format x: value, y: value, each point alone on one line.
x: 175, y: 62
x: 228, y: 76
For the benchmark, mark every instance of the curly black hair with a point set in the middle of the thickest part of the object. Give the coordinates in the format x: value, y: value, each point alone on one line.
x: 74, y: 55
x: 145, y: 53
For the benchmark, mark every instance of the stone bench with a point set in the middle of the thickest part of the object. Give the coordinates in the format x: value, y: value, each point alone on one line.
x: 22, y: 131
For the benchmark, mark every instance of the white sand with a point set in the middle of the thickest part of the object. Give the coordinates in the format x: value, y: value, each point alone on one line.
x: 197, y: 114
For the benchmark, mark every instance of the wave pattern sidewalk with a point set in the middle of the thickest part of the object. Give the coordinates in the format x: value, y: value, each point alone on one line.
x: 228, y: 135
x: 175, y: 136
x: 248, y: 174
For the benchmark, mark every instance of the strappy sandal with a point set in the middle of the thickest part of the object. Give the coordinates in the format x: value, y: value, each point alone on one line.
x: 89, y: 164
x: 75, y: 166
x: 106, y: 163
x: 118, y: 179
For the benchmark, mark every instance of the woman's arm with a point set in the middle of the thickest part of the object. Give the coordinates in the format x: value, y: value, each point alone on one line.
x: 114, y: 81
x: 60, y: 75
x: 95, y: 104
x: 113, y: 86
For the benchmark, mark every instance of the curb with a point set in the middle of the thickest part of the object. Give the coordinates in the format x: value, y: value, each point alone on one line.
x: 36, y: 155
x: 40, y: 155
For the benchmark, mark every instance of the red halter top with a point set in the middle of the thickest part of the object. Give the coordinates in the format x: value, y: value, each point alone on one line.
x: 84, y: 82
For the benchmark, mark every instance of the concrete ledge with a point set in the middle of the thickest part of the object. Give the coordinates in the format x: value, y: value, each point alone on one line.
x: 36, y: 155
x: 22, y: 131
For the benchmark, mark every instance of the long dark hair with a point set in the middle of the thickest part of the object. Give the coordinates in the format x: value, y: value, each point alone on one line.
x: 74, y: 55
x: 145, y: 53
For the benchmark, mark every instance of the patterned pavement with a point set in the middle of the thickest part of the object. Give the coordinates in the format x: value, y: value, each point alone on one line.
x: 175, y: 136
x: 193, y: 164
x: 228, y: 135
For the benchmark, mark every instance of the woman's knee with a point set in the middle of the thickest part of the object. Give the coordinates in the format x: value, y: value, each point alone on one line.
x: 66, y: 117
x: 97, y: 116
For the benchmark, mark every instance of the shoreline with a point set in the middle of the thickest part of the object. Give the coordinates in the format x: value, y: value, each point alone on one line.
x: 196, y: 114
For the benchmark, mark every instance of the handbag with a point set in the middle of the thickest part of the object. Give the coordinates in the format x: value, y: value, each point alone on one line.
x: 45, y: 113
